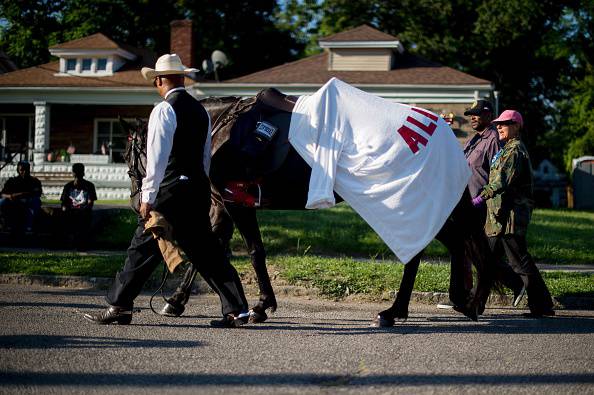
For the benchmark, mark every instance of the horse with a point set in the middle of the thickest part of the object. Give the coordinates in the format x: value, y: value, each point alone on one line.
x: 254, y: 167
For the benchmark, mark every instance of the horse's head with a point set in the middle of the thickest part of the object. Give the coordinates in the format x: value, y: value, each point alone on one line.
x: 135, y: 157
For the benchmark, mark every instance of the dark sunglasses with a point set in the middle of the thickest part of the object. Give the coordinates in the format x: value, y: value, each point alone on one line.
x: 506, y: 123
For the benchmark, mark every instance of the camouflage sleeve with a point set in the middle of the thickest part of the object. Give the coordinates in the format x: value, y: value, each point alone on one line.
x: 502, y: 176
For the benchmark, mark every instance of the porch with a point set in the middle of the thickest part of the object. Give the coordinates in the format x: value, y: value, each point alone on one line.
x: 111, y: 180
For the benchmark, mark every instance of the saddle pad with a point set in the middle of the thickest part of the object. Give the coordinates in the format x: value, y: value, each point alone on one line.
x: 277, y: 151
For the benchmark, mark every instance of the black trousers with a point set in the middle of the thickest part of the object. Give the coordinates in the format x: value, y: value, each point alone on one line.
x: 498, y: 268
x: 453, y: 235
x: 463, y: 235
x: 186, y: 208
x: 515, y: 249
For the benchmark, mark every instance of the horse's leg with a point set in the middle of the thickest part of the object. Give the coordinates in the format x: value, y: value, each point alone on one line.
x: 175, y: 305
x: 247, y: 223
x: 399, y: 309
x: 455, y: 235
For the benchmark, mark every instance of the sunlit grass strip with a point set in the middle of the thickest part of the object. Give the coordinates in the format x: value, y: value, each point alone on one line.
x: 333, y: 277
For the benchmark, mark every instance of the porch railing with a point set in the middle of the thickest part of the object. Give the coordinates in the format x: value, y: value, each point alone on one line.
x: 7, y: 157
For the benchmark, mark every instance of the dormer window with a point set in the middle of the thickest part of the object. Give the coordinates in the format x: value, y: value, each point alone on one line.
x: 70, y: 64
x: 86, y: 64
x: 361, y: 49
x: 101, y: 64
x: 92, y: 56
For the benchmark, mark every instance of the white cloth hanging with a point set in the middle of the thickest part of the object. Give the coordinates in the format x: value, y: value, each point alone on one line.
x: 400, y: 167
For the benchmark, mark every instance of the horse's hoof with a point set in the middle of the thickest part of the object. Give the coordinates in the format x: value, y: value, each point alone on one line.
x: 257, y: 316
x: 401, y: 316
x: 268, y: 303
x: 469, y: 311
x: 171, y: 310
x: 382, y: 322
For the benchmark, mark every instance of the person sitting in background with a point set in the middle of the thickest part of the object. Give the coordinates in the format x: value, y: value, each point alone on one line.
x: 509, y: 198
x: 78, y: 197
x: 20, y: 199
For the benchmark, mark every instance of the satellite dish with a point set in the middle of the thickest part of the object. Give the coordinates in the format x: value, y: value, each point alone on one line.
x: 207, y: 66
x: 219, y: 59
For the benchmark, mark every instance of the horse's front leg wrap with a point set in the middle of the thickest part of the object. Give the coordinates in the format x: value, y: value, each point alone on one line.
x: 184, y: 289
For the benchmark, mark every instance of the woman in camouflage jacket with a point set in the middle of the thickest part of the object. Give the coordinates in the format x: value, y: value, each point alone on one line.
x: 509, y: 206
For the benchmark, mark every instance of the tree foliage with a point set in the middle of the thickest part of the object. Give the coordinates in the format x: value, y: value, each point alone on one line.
x: 244, y: 30
x: 538, y: 53
x: 534, y: 51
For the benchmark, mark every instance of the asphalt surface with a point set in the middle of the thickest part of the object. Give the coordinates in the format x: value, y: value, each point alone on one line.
x: 309, y: 346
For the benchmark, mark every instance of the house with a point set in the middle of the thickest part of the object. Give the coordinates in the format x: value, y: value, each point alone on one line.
x: 73, y: 104
x: 76, y: 100
x: 375, y: 62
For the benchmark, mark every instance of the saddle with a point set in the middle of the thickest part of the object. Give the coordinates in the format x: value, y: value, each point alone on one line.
x: 257, y: 129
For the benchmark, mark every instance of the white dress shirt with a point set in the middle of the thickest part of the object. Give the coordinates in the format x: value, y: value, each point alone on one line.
x: 360, y: 146
x: 161, y: 130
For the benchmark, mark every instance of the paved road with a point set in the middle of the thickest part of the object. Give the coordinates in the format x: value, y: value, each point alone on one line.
x: 307, y: 347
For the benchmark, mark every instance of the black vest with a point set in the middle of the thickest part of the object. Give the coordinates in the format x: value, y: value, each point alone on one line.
x: 187, y: 152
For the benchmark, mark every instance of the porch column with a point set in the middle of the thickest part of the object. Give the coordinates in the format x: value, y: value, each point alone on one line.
x: 42, y: 131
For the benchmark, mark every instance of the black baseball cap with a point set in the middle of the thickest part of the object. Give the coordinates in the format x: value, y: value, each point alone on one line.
x: 478, y: 107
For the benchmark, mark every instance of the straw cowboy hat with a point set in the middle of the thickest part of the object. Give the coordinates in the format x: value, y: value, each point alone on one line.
x: 166, y: 65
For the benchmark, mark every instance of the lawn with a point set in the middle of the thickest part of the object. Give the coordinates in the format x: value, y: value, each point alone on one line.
x: 555, y: 236
x: 334, y: 251
x: 333, y: 277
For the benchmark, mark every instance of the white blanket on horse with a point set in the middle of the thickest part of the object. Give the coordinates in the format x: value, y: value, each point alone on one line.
x: 400, y: 167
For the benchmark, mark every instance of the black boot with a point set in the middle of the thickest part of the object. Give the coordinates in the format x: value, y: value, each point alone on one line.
x: 111, y: 315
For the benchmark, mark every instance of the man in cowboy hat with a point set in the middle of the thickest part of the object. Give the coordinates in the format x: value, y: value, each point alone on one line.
x: 176, y: 185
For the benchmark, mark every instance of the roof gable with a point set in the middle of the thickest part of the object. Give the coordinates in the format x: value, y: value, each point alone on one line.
x: 359, y: 33
x: 411, y: 70
x: 94, y: 41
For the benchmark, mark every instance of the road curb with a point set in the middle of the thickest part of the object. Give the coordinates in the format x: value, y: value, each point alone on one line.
x: 431, y: 298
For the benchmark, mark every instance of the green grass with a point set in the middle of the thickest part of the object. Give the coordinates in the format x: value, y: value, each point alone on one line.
x: 117, y: 202
x: 339, y: 277
x: 555, y: 236
x: 60, y: 264
x: 333, y: 277
x: 562, y: 236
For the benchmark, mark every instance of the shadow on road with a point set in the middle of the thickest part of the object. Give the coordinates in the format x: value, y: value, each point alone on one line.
x: 56, y: 304
x: 57, y: 342
x: 502, y: 324
x: 181, y: 380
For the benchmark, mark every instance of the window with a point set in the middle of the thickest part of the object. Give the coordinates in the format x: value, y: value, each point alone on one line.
x: 86, y: 64
x: 70, y: 64
x: 101, y: 64
x: 110, y: 138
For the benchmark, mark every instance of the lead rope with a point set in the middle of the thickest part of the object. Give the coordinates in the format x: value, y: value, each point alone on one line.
x: 164, y: 278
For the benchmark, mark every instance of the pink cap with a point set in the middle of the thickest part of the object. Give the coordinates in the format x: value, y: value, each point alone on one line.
x: 510, y: 115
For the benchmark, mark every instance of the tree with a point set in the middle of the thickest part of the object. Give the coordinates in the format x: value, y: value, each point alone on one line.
x: 33, y: 26
x: 245, y: 30
x: 520, y: 45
